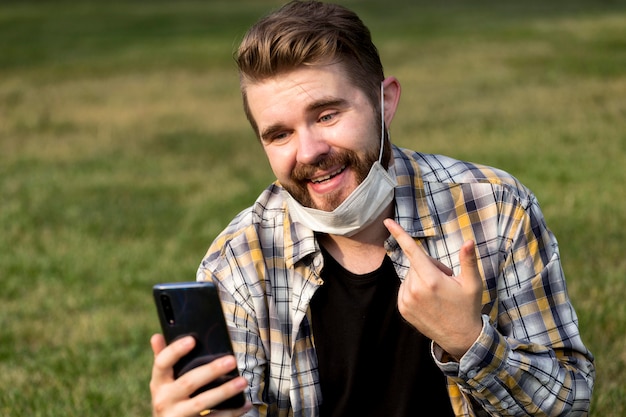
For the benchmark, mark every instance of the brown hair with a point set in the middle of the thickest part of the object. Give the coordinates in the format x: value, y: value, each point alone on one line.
x: 309, y: 33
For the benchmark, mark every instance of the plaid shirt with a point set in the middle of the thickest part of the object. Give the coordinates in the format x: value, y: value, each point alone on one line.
x: 529, y: 358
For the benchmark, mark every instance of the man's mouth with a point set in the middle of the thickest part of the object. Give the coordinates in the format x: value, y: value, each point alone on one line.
x: 328, y: 176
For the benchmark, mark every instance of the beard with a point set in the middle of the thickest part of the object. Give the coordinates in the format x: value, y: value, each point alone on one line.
x: 299, y: 179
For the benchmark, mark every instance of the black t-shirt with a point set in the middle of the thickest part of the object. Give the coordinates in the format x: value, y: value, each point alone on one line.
x: 371, y: 361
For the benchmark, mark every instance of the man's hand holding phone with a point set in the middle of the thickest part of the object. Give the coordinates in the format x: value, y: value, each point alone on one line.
x: 194, y: 371
x: 171, y: 397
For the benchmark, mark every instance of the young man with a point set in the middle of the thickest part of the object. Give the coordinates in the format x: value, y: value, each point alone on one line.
x: 371, y: 280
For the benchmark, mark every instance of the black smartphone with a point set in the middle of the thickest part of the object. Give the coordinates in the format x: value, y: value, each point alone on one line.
x: 193, y: 308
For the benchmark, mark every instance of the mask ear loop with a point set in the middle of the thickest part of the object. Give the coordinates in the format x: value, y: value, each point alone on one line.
x: 382, y: 122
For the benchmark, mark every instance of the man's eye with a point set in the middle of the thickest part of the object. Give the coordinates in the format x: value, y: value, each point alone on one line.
x: 327, y: 117
x: 279, y: 136
x: 276, y: 137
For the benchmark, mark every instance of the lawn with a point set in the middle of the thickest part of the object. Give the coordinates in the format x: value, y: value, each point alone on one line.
x: 124, y: 151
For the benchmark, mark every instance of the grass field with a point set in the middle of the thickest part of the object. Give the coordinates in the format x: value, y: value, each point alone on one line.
x: 124, y: 151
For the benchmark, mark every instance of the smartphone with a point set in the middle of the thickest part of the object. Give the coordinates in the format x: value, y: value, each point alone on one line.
x: 194, y: 308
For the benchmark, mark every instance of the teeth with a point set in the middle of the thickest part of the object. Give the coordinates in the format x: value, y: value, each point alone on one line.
x: 328, y: 176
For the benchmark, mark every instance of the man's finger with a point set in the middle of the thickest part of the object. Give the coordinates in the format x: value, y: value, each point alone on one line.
x: 166, y: 358
x: 157, y: 342
x: 442, y: 267
x: 405, y: 240
x: 411, y: 248
x: 408, y: 245
x: 469, y: 263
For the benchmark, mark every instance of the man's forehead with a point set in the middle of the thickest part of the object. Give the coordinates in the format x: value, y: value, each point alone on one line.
x: 296, y: 75
x: 299, y: 88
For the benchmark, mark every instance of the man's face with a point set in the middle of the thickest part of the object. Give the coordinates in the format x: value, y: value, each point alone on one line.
x: 320, y: 133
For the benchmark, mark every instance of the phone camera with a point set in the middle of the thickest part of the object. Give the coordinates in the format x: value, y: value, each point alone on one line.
x: 167, y: 309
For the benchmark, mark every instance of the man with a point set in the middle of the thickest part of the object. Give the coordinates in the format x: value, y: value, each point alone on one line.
x: 371, y: 280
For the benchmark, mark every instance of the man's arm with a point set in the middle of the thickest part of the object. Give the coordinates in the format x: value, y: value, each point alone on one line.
x: 528, y: 359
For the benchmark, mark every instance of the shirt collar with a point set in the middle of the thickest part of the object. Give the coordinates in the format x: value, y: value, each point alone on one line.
x: 411, y: 197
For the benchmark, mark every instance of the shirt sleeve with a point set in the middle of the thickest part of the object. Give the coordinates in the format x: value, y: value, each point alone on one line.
x: 247, y: 346
x: 530, y: 359
x: 241, y: 320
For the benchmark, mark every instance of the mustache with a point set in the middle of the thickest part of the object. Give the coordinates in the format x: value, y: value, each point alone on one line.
x: 303, y: 172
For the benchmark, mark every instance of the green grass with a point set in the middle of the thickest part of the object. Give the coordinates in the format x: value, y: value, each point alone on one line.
x: 124, y: 151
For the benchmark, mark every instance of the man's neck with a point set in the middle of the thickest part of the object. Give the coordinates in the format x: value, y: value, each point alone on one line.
x: 363, y: 252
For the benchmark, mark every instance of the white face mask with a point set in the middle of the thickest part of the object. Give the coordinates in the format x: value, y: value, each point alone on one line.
x: 362, y: 206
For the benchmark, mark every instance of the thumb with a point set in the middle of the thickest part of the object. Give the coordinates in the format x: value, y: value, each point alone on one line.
x: 469, y: 264
x: 157, y: 342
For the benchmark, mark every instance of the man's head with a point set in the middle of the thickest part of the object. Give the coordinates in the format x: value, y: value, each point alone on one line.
x: 311, y: 81
x: 305, y: 33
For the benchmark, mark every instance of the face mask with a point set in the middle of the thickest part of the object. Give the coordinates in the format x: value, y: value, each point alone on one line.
x: 362, y: 206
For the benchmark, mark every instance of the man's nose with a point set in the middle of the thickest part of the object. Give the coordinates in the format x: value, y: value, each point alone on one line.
x: 311, y: 147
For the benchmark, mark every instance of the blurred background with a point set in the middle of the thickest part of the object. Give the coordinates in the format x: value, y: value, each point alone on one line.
x: 124, y: 151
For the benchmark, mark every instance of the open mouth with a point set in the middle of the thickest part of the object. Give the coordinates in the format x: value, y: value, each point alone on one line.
x: 328, y: 176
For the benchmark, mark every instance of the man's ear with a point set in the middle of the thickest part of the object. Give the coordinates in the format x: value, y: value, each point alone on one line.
x: 392, y: 92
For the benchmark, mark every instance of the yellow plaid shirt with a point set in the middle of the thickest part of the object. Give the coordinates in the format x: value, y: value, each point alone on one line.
x: 529, y: 358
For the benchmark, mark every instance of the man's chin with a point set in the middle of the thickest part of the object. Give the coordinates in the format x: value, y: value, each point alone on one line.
x: 309, y: 202
x: 327, y: 204
x: 301, y: 196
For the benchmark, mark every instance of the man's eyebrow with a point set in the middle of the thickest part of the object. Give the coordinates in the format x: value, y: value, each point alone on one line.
x: 327, y: 102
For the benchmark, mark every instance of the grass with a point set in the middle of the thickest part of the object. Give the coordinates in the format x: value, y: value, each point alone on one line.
x: 124, y: 151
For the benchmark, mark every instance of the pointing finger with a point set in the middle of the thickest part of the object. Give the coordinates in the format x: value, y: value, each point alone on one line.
x: 411, y: 248
x: 405, y: 240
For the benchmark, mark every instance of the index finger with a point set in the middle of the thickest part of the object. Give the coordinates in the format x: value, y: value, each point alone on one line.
x: 405, y: 240
x: 412, y: 249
